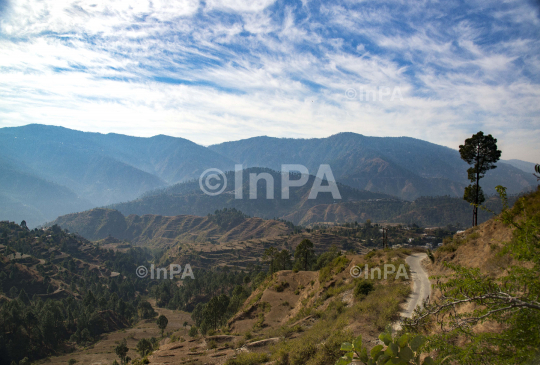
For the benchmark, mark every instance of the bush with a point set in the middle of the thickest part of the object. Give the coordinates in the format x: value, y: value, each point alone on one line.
x: 265, y: 306
x: 248, y: 358
x: 335, y: 267
x: 212, y: 344
x: 281, y: 286
x: 318, y: 346
x: 72, y: 361
x: 144, y: 347
x: 370, y: 309
x: 260, y: 322
x: 193, y: 331
x: 403, y: 350
x: 363, y: 288
x: 371, y: 254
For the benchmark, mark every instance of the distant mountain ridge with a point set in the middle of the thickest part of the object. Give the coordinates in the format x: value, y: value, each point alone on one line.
x: 60, y: 171
x: 524, y: 166
x: 26, y: 196
x: 401, y: 166
x: 96, y: 169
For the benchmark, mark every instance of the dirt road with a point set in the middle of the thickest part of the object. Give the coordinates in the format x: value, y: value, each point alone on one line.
x: 421, y: 287
x: 421, y: 284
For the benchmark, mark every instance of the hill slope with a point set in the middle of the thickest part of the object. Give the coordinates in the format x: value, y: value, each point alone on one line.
x: 188, y: 198
x: 355, y: 205
x: 157, y: 230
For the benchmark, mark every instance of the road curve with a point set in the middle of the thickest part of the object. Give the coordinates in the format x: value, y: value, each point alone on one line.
x: 421, y: 284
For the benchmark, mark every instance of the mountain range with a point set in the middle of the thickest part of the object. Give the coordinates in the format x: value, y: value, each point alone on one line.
x: 401, y: 166
x: 47, y: 171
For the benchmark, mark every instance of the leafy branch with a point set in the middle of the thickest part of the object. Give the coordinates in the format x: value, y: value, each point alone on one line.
x: 403, y: 350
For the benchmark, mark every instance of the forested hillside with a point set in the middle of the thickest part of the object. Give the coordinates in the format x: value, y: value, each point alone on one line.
x: 59, y: 287
x: 187, y: 198
x: 355, y: 205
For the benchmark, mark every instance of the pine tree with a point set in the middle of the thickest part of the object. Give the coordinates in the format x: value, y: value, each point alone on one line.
x: 481, y: 152
x: 162, y: 322
x: 304, y: 254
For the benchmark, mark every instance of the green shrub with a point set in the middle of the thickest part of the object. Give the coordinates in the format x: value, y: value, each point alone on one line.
x: 363, y: 288
x: 248, y: 358
x: 193, y: 331
x: 371, y: 310
x: 260, y: 322
x: 255, y: 299
x: 317, y: 346
x: 404, y: 350
x: 281, y: 286
x: 265, y: 306
x: 335, y: 267
x: 371, y: 254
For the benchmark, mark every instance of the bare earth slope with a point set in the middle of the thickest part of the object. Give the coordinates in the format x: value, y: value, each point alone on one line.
x: 158, y: 230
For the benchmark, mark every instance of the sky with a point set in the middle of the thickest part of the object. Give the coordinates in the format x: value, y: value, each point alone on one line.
x: 220, y: 70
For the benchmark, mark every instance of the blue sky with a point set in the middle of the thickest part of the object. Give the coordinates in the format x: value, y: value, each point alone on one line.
x: 225, y: 70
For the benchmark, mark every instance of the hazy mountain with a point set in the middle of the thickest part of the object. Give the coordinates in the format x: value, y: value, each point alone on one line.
x: 401, y: 166
x: 188, y: 198
x: 101, y: 169
x: 50, y: 171
x: 524, y: 166
x: 24, y: 196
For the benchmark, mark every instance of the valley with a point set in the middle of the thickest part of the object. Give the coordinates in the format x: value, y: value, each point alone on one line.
x: 240, y: 182
x: 266, y: 280
x: 275, y: 310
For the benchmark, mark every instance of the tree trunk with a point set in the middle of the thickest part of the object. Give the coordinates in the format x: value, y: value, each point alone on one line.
x: 475, y: 211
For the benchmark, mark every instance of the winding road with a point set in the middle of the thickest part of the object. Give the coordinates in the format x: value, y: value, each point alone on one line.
x: 421, y: 287
x: 421, y: 284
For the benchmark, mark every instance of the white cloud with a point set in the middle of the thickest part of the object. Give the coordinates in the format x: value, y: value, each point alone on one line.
x: 238, y: 69
x: 239, y: 5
